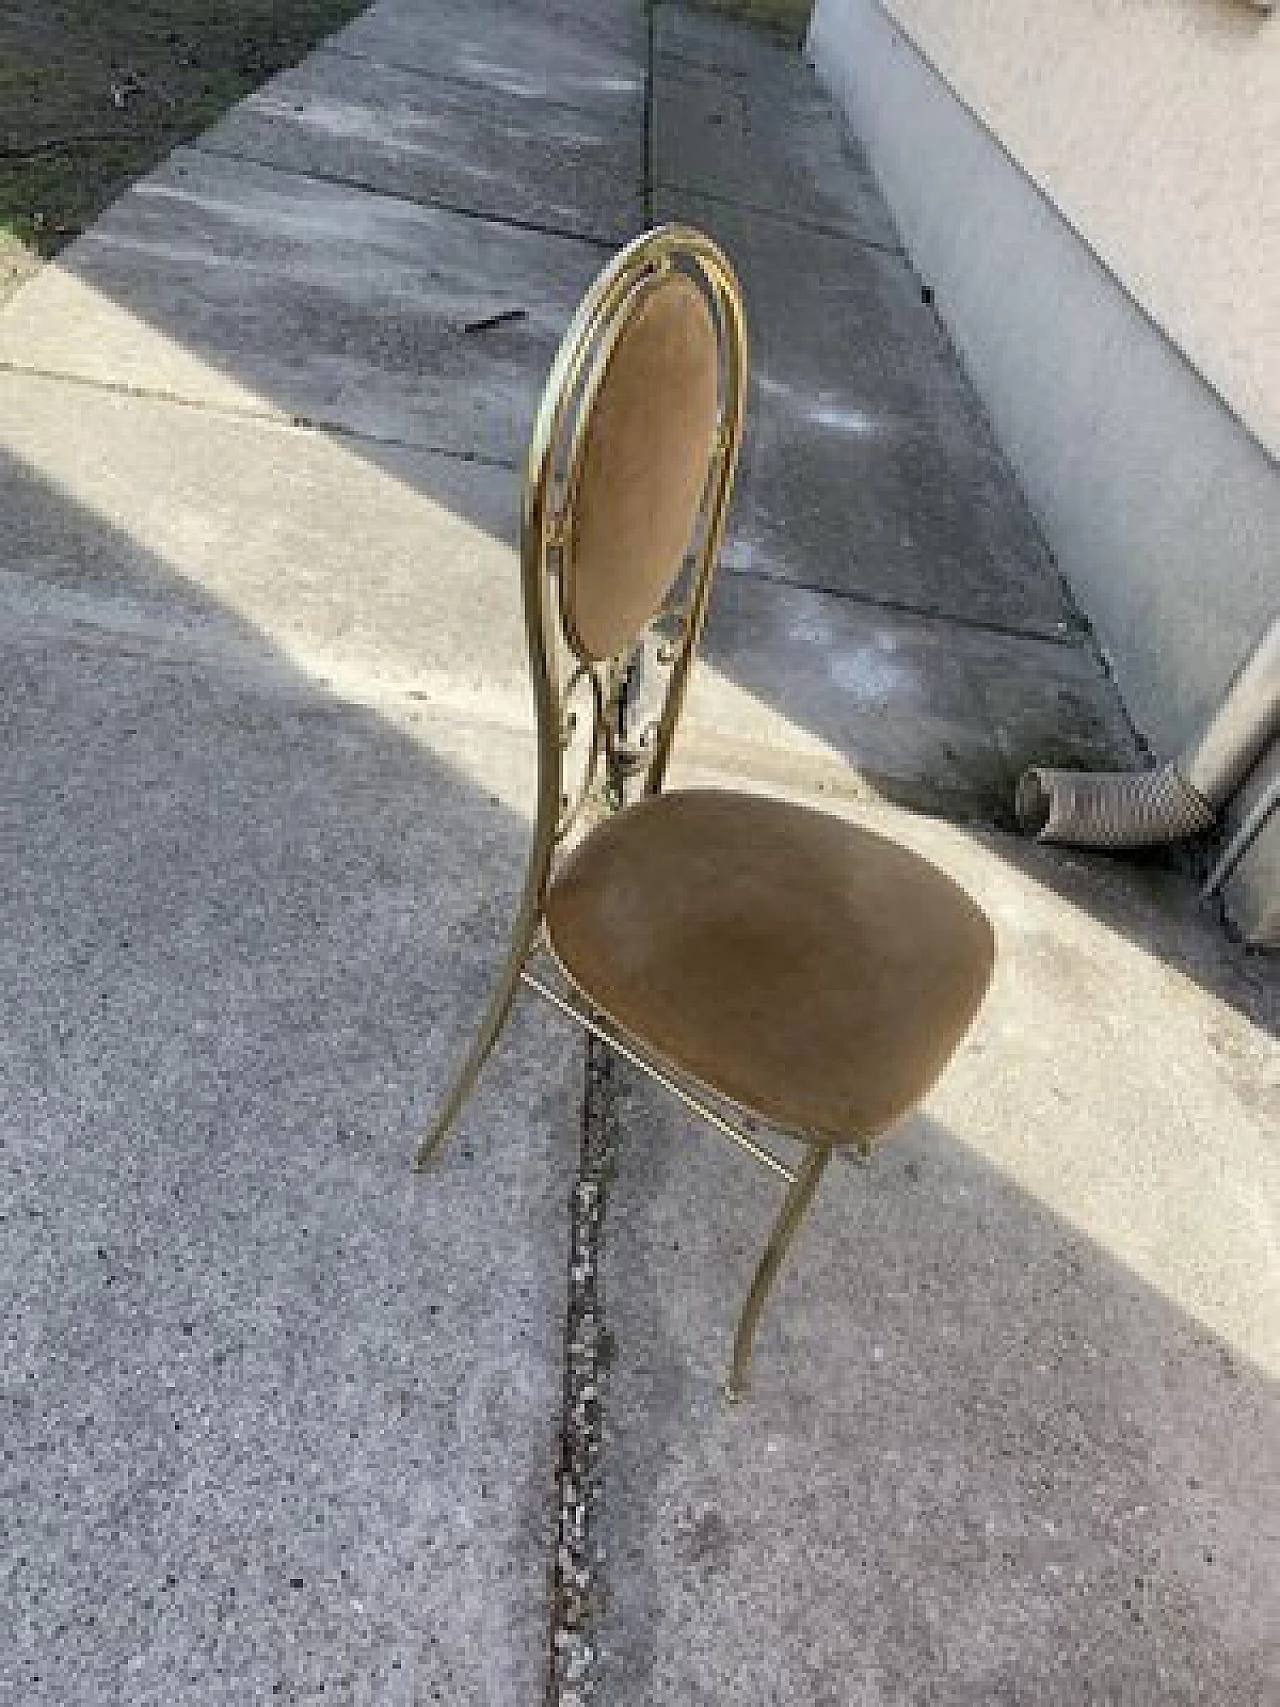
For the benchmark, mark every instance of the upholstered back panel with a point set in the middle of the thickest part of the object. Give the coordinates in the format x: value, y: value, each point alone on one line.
x: 641, y: 466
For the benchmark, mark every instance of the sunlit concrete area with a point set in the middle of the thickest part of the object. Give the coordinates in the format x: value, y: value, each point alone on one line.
x: 281, y: 1419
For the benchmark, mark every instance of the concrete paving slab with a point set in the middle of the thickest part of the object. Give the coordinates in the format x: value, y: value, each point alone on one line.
x: 372, y: 568
x: 233, y: 284
x: 509, y: 155
x: 765, y: 144
x: 590, y: 57
x: 280, y: 1418
x: 1013, y: 1432
x: 931, y: 714
x: 868, y: 466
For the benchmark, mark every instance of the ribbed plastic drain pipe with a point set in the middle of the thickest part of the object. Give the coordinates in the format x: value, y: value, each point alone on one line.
x: 1133, y: 809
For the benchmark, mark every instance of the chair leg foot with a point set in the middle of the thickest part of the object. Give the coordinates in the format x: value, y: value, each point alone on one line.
x: 799, y: 1196
x: 428, y: 1146
x: 490, y: 1030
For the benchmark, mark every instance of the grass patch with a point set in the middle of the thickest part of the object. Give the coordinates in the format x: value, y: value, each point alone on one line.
x: 789, y: 15
x: 94, y: 92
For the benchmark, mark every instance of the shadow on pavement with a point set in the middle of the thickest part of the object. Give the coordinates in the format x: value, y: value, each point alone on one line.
x: 279, y: 1416
x: 981, y: 1461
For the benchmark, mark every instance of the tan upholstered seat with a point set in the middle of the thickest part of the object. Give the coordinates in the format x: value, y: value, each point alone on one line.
x: 816, y: 974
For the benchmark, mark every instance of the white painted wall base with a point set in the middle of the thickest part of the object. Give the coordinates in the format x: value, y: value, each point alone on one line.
x: 1162, y: 509
x: 1251, y: 895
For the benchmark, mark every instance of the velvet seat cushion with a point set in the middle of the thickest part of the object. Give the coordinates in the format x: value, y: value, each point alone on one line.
x: 814, y: 973
x: 639, y: 478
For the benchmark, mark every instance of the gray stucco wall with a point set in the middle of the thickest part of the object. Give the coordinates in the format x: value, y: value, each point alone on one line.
x: 1163, y: 509
x: 1161, y: 505
x: 1154, y: 129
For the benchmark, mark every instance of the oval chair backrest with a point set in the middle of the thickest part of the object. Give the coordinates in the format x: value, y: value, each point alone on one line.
x: 627, y: 480
x: 644, y: 446
x: 628, y: 475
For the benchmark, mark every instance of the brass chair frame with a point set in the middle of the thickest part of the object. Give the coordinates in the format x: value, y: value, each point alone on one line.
x: 613, y: 762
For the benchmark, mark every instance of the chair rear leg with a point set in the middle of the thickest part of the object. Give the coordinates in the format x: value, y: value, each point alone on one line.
x: 799, y: 1196
x: 490, y: 1030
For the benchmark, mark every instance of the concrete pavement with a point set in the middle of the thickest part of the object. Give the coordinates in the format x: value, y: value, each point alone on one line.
x: 276, y: 1421
x: 1013, y: 1421
x: 281, y: 1417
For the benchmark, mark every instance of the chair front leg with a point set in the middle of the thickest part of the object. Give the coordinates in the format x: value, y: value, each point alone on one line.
x: 490, y: 1030
x: 799, y: 1196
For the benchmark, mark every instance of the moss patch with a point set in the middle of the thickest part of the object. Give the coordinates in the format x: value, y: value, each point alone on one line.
x: 94, y: 92
x: 789, y: 15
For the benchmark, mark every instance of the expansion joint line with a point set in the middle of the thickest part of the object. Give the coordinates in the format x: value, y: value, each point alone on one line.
x: 574, y: 1669
x: 648, y: 113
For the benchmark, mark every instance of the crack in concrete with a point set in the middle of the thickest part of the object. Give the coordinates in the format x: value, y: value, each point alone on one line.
x: 439, y: 204
x: 1068, y: 632
x: 577, y: 1564
x: 794, y: 221
x: 578, y: 1581
x: 648, y: 113
x: 267, y: 416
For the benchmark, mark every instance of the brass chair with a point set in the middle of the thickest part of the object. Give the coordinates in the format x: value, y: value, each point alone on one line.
x: 764, y: 962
